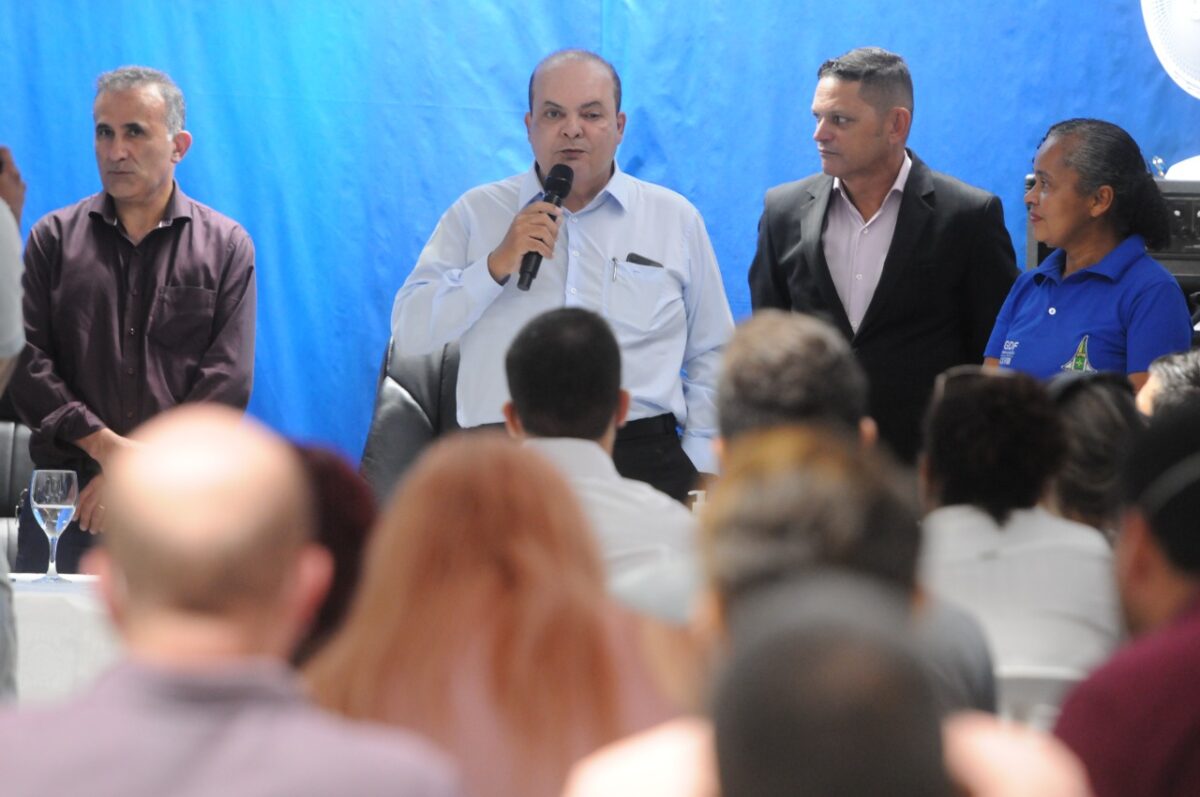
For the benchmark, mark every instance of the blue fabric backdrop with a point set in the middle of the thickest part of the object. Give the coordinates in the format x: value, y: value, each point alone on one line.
x: 337, y: 132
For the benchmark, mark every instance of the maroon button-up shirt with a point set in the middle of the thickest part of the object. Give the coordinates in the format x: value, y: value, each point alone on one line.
x: 118, y: 333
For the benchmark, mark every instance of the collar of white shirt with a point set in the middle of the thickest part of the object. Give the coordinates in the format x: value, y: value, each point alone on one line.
x: 618, y: 188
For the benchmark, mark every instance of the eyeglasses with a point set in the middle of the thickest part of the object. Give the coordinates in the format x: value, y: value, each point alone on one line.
x: 1065, y: 386
x: 1169, y: 485
x: 960, y: 376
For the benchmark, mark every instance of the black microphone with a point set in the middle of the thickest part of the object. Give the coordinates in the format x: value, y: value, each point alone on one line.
x: 555, y: 189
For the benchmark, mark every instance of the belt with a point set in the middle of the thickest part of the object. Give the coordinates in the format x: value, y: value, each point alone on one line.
x: 649, y: 427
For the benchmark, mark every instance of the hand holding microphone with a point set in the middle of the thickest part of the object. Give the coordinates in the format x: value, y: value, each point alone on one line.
x: 533, y: 232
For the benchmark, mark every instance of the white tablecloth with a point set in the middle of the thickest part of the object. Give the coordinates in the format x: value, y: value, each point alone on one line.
x: 64, y: 638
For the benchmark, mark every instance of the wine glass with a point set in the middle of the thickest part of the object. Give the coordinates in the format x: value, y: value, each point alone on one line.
x: 52, y: 496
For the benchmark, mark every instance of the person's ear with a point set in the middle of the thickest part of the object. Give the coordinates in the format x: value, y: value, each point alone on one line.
x: 314, y: 576
x: 622, y: 413
x: 1102, y: 201
x: 708, y: 619
x: 512, y: 421
x: 899, y: 123
x: 868, y: 432
x: 182, y: 142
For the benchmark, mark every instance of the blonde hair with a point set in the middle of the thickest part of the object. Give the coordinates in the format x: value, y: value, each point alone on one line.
x: 482, y: 544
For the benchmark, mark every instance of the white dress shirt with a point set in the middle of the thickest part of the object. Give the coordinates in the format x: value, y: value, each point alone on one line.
x: 670, y: 320
x: 12, y: 329
x: 634, y: 524
x: 1043, y: 587
x: 855, y: 250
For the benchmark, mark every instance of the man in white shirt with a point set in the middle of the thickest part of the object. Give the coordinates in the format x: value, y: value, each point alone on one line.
x: 636, y: 253
x: 564, y: 375
x: 12, y: 340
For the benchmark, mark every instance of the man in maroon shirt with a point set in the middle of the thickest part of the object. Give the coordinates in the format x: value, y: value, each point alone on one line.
x: 137, y: 299
x: 1135, y: 723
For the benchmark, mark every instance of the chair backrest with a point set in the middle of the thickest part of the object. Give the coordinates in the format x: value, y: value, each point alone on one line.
x: 1032, y: 695
x: 15, y: 470
x: 415, y: 402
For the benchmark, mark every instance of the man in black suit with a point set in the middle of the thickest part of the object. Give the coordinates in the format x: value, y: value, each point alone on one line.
x: 910, y: 264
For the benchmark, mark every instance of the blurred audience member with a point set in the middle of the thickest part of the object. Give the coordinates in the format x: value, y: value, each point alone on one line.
x: 345, y: 513
x: 782, y: 368
x: 210, y: 576
x: 791, y: 501
x: 1135, y: 722
x: 1174, y: 379
x: 1099, y: 420
x: 825, y: 695
x: 482, y: 622
x: 1041, y: 585
x: 564, y: 376
x: 987, y: 757
x: 12, y: 328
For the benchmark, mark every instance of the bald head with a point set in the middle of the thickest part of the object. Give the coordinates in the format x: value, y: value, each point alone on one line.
x: 206, y: 513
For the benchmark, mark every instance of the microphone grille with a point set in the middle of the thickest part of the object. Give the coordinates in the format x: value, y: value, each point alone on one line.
x: 558, y: 181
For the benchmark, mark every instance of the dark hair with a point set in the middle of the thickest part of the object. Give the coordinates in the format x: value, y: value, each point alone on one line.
x: 1161, y: 477
x: 1178, y: 379
x: 1099, y: 419
x: 784, y: 368
x: 557, y: 57
x: 345, y: 510
x: 824, y: 705
x: 1103, y: 154
x: 564, y: 374
x: 886, y: 82
x: 792, y: 499
x: 993, y: 442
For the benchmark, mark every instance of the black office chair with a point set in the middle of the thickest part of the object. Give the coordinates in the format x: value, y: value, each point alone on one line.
x: 414, y: 403
x: 15, y: 470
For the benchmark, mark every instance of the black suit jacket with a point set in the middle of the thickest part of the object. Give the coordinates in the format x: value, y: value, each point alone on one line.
x: 948, y: 270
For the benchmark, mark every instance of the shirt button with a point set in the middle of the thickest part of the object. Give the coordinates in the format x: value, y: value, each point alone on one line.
x: 132, y: 332
x: 574, y: 253
x: 573, y: 291
x: 129, y: 415
x: 129, y: 371
x: 1051, y: 311
x: 858, y: 276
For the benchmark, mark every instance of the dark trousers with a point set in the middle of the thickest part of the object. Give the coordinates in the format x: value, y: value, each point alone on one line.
x: 649, y: 450
x: 33, y: 549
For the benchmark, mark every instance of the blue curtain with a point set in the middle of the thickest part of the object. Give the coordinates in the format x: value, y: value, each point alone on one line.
x: 337, y: 132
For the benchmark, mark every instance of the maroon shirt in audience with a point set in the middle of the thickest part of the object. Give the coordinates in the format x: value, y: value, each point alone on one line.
x: 1135, y: 723
x: 117, y: 333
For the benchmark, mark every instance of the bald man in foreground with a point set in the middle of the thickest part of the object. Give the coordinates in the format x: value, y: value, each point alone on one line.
x: 210, y: 574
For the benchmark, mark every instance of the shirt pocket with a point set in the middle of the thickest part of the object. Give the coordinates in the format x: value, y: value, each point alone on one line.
x: 639, y: 296
x: 181, y: 318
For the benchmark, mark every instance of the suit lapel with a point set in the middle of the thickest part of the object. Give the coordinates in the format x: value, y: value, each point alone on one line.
x: 812, y: 222
x: 916, y: 208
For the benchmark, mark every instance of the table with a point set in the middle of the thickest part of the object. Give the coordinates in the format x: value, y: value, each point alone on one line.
x: 64, y: 638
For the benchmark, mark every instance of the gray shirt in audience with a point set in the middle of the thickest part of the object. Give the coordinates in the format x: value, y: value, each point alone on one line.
x: 242, y: 729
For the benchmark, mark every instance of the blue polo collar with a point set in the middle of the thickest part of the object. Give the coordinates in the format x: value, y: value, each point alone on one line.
x: 1112, y: 266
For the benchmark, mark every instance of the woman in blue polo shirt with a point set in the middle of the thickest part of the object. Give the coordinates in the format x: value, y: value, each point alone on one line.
x: 1098, y: 302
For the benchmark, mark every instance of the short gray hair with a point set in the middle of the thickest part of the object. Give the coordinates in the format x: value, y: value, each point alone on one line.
x: 785, y: 368
x: 129, y: 77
